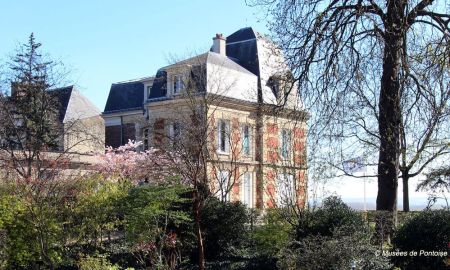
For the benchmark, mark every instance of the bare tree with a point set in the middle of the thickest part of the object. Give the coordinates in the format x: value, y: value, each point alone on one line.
x: 437, y: 182
x: 359, y: 59
x: 196, y: 131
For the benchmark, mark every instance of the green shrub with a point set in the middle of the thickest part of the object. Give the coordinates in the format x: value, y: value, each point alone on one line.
x: 332, y: 237
x: 341, y: 250
x: 224, y: 228
x: 24, y: 223
x: 428, y: 231
x: 97, y: 262
x: 153, y: 218
x: 333, y: 214
x: 268, y: 238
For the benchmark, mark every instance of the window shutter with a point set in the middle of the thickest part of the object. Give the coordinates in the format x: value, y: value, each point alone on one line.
x: 281, y: 143
x: 227, y: 137
x: 219, y: 134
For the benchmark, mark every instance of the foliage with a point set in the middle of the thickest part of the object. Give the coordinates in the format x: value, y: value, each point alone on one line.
x: 15, y: 245
x: 437, y: 183
x: 341, y: 250
x: 268, y: 238
x: 153, y: 216
x: 224, y: 225
x: 35, y: 224
x: 332, y: 215
x: 97, y: 213
x: 30, y: 112
x: 331, y: 237
x: 428, y: 231
x: 272, y: 235
x: 146, y: 219
x: 38, y: 194
x: 96, y: 263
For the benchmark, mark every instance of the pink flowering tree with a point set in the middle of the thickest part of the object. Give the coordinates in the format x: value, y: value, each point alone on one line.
x: 127, y: 162
x: 150, y: 207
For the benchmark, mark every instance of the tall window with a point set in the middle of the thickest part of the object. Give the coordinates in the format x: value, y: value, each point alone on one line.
x: 246, y: 140
x: 285, y: 139
x: 175, y: 132
x: 223, y: 136
x: 223, y: 185
x: 177, y: 81
x: 149, y: 90
x: 285, y: 191
x: 145, y: 135
x: 247, y: 189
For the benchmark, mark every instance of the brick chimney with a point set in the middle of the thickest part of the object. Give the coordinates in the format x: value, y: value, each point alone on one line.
x: 219, y: 44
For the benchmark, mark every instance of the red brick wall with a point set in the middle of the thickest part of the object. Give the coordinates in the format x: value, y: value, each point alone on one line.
x: 158, y: 127
x: 272, y: 143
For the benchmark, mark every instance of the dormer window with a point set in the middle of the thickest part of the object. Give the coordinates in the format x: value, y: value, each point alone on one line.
x: 149, y: 91
x: 177, y: 84
x: 274, y: 84
x: 281, y: 86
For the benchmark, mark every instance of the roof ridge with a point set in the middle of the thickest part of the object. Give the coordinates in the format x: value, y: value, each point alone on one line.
x: 135, y: 80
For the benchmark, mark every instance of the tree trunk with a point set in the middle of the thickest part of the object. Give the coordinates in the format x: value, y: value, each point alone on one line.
x: 390, y: 117
x: 405, y: 179
x: 198, y: 231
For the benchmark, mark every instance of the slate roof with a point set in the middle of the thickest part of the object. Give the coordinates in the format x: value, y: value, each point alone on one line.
x: 242, y: 34
x: 159, y: 87
x: 242, y: 55
x: 73, y: 105
x: 63, y: 95
x: 125, y: 96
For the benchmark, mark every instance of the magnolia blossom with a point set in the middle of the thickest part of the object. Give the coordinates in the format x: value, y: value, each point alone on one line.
x: 127, y: 162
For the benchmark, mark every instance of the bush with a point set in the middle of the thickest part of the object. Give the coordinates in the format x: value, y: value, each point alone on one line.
x: 339, y: 251
x: 269, y: 238
x: 428, y: 231
x: 332, y: 237
x: 153, y: 217
x: 22, y: 224
x: 333, y: 214
x: 96, y: 263
x: 224, y: 228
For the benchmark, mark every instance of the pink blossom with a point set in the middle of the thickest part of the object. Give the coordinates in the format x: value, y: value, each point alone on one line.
x: 128, y: 162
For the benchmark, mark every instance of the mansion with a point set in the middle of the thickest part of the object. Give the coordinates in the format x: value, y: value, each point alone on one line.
x: 237, y: 103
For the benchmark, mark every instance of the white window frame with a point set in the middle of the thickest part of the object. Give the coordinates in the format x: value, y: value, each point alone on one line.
x: 285, y: 189
x: 247, y: 190
x: 149, y: 91
x: 146, y: 138
x: 223, y: 135
x: 173, y: 136
x: 223, y: 187
x: 285, y: 144
x: 177, y: 84
x: 249, y: 130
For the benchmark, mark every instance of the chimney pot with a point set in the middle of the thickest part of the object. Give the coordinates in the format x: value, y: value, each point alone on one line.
x: 219, y: 44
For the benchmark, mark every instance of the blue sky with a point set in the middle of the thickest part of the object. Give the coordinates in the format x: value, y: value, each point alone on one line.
x: 102, y: 42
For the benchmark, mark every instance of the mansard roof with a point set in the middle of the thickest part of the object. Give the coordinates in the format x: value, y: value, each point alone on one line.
x: 242, y: 34
x: 125, y: 96
x: 241, y: 46
x: 247, y: 51
x: 73, y: 105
